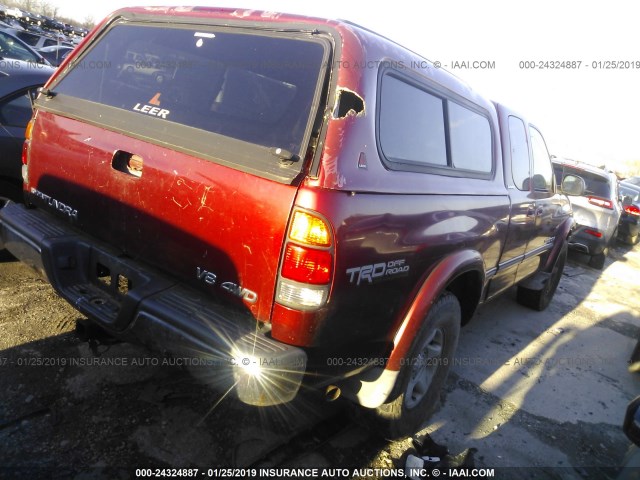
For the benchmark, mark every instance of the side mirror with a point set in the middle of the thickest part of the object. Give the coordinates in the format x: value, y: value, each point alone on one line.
x: 631, y: 425
x: 573, y: 185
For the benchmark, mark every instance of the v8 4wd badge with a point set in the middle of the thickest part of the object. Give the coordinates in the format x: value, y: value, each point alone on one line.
x: 211, y: 278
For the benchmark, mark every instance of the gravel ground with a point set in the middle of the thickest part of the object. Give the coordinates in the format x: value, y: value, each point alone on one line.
x: 532, y: 395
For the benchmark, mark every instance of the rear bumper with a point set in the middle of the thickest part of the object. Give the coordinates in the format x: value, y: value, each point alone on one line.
x: 587, y: 243
x: 136, y: 302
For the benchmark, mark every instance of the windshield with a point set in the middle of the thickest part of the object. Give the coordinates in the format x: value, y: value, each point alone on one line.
x: 629, y: 192
x: 10, y: 47
x: 255, y: 87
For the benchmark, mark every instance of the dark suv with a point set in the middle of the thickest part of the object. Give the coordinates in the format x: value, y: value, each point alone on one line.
x: 629, y: 228
x: 596, y: 213
x: 297, y: 199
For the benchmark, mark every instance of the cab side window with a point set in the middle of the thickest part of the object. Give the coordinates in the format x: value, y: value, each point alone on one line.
x: 542, y: 169
x: 411, y: 124
x: 519, y: 153
x: 422, y: 129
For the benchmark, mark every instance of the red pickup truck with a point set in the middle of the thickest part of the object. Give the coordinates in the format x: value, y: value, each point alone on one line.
x: 301, y: 200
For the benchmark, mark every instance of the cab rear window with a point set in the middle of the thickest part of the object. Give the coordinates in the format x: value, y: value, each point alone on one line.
x: 256, y: 87
x: 422, y: 130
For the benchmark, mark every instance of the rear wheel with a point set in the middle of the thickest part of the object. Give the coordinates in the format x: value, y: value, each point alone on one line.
x: 540, y: 299
x: 630, y: 239
x: 424, y: 371
x: 597, y: 261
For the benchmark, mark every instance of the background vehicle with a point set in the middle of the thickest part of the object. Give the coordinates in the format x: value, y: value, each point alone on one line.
x: 10, y: 22
x: 34, y: 40
x: 629, y: 227
x: 55, y: 54
x: 18, y: 84
x: 297, y: 220
x: 631, y: 428
x: 13, y: 48
x: 633, y: 180
x: 597, y: 212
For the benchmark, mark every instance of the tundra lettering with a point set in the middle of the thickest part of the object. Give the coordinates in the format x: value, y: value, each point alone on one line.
x: 56, y: 204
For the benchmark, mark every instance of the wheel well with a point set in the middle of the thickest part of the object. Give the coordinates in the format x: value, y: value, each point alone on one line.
x: 467, y: 288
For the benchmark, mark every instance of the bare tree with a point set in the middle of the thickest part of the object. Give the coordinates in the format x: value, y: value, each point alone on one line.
x: 88, y: 23
x: 49, y: 9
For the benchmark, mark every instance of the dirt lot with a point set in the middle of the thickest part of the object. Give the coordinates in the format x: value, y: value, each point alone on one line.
x: 531, y: 395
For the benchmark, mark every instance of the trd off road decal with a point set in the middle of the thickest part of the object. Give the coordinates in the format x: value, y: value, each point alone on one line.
x: 377, y: 271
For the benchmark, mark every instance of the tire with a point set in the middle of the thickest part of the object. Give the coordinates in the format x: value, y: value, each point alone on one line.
x: 540, y: 299
x: 425, y: 371
x: 630, y: 239
x: 634, y: 361
x: 597, y: 261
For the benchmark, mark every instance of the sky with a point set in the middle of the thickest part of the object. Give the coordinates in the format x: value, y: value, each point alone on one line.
x: 588, y: 113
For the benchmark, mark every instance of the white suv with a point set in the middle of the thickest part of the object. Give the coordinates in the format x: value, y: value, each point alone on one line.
x: 596, y: 213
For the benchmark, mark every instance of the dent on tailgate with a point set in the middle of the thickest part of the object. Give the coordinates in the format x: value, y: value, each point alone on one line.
x: 208, y: 224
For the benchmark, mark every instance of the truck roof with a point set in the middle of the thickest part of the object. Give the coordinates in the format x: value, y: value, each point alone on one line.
x: 354, y: 35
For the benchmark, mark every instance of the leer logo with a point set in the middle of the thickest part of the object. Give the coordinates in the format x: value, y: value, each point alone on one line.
x: 156, y: 111
x: 155, y: 100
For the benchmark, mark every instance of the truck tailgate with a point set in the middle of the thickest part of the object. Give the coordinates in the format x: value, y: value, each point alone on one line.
x: 212, y: 226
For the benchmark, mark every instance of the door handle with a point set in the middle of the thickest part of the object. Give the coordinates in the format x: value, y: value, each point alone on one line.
x: 128, y: 163
x: 532, y: 211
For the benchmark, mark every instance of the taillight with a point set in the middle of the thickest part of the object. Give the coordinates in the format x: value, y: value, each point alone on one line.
x: 25, y: 151
x: 307, y: 265
x: 595, y: 233
x: 307, y: 262
x: 632, y: 210
x: 601, y: 202
x: 309, y: 229
x: 29, y: 130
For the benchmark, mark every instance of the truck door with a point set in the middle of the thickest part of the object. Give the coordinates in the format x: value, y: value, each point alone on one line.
x: 517, y: 166
x: 547, y: 203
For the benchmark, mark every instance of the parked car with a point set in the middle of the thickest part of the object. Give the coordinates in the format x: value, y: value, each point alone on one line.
x: 55, y: 54
x: 629, y: 227
x: 633, y: 180
x: 11, y: 47
x: 294, y: 217
x: 596, y: 213
x: 34, y: 40
x: 12, y: 23
x: 15, y: 12
x: 19, y: 81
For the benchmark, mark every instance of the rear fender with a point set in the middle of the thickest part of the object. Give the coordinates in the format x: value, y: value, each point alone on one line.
x: 434, y: 284
x: 375, y: 386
